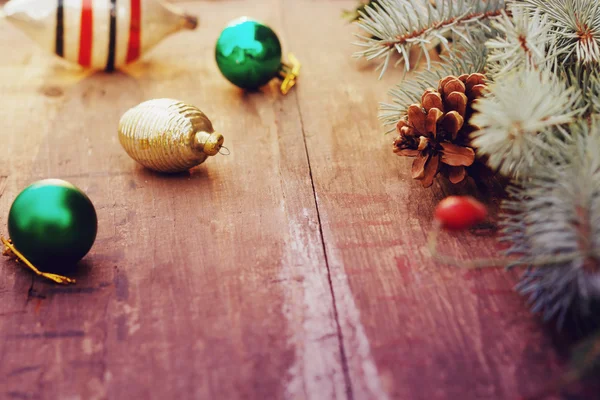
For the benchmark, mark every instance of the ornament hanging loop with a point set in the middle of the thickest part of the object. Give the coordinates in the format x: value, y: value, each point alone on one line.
x: 289, y: 72
x: 209, y: 143
x: 12, y: 252
x: 224, y: 151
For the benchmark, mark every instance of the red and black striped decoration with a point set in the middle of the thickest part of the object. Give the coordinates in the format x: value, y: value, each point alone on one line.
x: 85, y: 54
x: 97, y: 34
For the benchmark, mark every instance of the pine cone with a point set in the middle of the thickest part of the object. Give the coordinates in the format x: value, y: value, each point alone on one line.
x: 437, y: 131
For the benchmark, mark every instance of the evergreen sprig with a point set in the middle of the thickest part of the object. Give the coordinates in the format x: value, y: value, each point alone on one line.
x: 575, y: 27
x: 556, y: 211
x: 518, y: 111
x: 393, y: 27
x: 587, y: 81
x: 523, y: 39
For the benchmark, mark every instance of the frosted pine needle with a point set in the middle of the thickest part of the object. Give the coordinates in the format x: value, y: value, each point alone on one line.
x: 517, y: 109
x: 392, y: 27
x: 522, y: 41
x: 575, y: 27
x: 587, y: 81
x: 557, y: 212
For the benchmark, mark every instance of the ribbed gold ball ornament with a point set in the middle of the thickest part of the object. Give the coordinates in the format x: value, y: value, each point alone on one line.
x: 168, y: 135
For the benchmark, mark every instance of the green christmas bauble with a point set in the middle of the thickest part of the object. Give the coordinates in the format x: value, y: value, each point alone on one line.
x: 53, y: 224
x: 248, y: 53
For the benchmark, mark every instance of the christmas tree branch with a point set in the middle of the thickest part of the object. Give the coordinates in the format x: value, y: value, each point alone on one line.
x: 517, y: 117
x: 523, y: 39
x: 575, y: 27
x: 587, y: 80
x: 554, y: 212
x: 395, y: 26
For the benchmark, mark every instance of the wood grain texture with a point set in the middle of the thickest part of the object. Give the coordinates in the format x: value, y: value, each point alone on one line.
x: 210, y: 284
x: 294, y: 268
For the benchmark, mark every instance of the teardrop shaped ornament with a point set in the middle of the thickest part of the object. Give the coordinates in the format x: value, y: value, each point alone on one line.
x: 97, y: 34
x: 169, y: 136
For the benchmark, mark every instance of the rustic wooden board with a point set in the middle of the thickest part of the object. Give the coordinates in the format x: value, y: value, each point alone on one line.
x: 208, y: 284
x: 295, y: 268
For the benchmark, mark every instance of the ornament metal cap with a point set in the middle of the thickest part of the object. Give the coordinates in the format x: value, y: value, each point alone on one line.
x: 289, y: 72
x: 209, y: 143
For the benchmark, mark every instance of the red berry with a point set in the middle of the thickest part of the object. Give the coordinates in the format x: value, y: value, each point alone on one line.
x: 457, y: 213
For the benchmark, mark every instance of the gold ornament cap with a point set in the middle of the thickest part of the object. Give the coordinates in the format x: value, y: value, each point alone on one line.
x: 210, y: 143
x: 168, y: 135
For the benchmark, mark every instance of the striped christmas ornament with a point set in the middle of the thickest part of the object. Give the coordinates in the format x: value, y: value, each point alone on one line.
x: 99, y: 34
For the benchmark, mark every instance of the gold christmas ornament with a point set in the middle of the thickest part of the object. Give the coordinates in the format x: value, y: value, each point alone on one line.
x: 98, y: 34
x: 168, y: 135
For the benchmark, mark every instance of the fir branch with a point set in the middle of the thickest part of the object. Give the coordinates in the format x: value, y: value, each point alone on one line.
x: 467, y: 59
x: 395, y: 26
x: 522, y: 41
x: 515, y: 111
x: 575, y: 27
x: 587, y: 80
x: 557, y: 211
